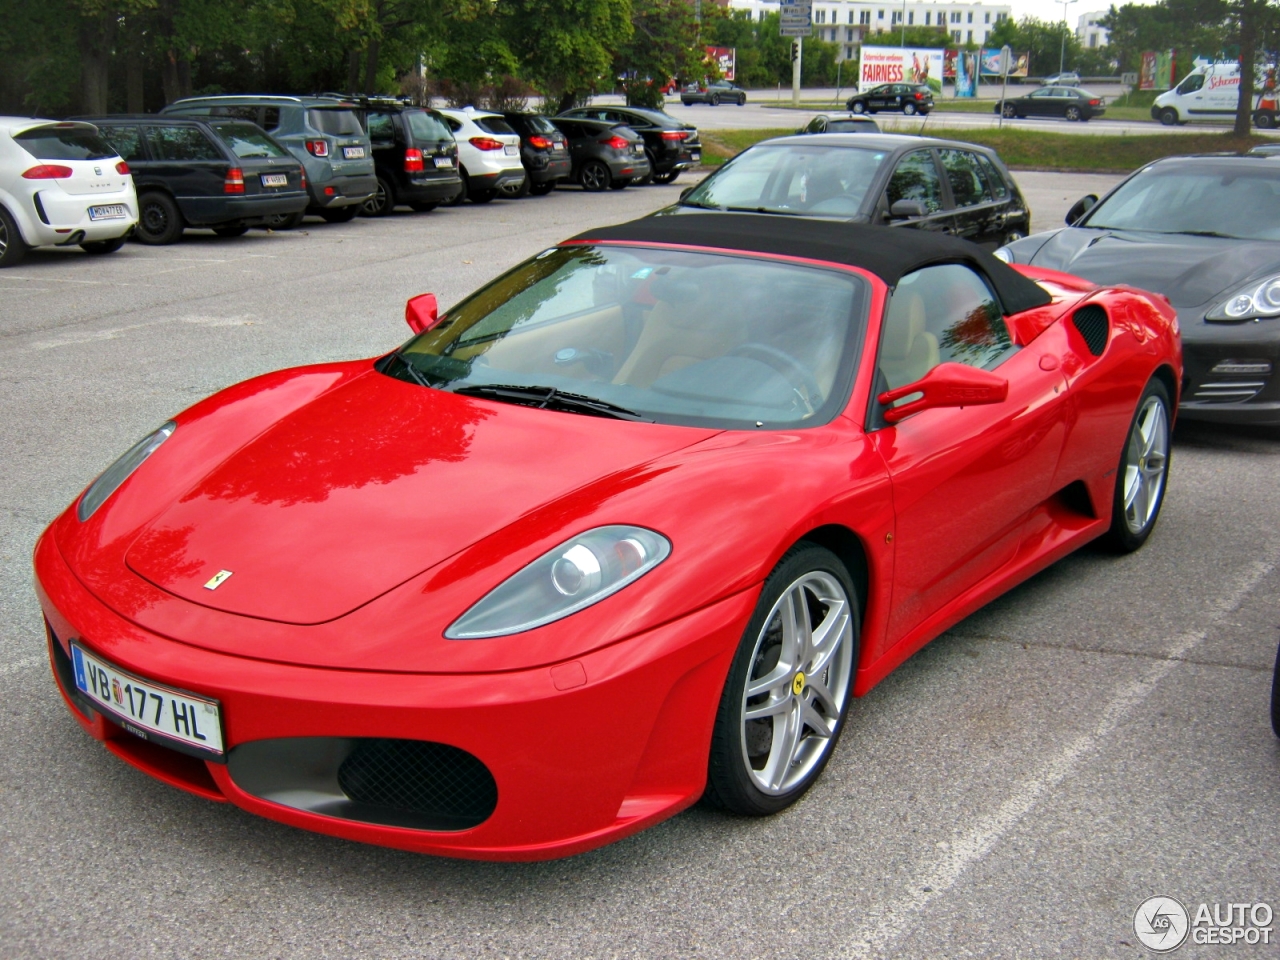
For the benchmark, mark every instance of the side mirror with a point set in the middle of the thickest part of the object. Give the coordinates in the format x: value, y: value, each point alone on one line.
x: 905, y: 209
x: 421, y: 312
x: 1081, y: 207
x: 946, y: 385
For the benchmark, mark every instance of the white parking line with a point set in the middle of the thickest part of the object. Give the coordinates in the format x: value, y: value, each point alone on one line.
x: 889, y: 920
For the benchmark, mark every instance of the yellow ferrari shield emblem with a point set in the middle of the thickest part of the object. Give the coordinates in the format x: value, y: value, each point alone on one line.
x: 797, y: 685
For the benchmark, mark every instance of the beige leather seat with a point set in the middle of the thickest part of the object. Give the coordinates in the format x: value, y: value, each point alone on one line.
x: 908, y: 350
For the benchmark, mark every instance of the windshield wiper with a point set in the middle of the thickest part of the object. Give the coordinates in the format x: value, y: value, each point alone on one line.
x: 699, y: 204
x: 550, y: 398
x: 1205, y: 233
x: 412, y: 370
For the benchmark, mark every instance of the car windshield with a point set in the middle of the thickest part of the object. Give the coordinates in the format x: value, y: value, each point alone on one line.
x: 335, y: 121
x: 248, y: 142
x: 494, y: 125
x: 65, y: 143
x: 665, y: 335
x: 426, y: 126
x: 816, y: 181
x: 1234, y: 199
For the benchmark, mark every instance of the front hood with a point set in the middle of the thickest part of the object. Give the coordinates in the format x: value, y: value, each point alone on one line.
x: 1190, y: 271
x: 368, y: 485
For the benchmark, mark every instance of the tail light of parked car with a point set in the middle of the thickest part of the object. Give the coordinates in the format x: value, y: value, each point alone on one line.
x: 233, y: 182
x: 318, y: 148
x: 304, y: 180
x: 919, y: 95
x: 413, y: 160
x: 673, y: 134
x: 48, y: 171
x: 1095, y: 102
x: 539, y: 143
x: 616, y: 142
x: 122, y: 168
x: 487, y: 143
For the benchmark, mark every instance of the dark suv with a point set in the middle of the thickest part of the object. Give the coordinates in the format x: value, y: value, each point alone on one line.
x: 326, y: 135
x: 414, y: 155
x: 605, y: 155
x: 544, y: 151
x: 225, y: 174
x: 670, y: 145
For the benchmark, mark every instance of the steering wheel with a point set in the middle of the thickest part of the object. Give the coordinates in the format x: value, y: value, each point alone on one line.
x: 796, y: 373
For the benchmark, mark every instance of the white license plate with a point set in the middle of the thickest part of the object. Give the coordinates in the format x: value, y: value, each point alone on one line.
x: 149, y: 710
x: 444, y: 163
x: 110, y: 211
x: 275, y: 179
x: 557, y: 147
x: 353, y: 153
x: 511, y: 149
x: 695, y: 155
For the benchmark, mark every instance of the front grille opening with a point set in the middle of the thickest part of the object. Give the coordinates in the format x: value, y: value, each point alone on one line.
x: 433, y: 779
x: 1091, y: 321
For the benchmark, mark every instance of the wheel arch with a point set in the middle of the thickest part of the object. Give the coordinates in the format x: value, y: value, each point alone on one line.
x: 846, y: 545
x: 1165, y: 374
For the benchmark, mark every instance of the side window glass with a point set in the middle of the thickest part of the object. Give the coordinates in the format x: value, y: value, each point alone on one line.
x: 238, y: 111
x: 127, y: 142
x: 1193, y: 83
x: 942, y: 314
x: 381, y: 129
x: 967, y: 186
x: 270, y: 119
x: 180, y: 143
x: 995, y: 180
x: 916, y: 178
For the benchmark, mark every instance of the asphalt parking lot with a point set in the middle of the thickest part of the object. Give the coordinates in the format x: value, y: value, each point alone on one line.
x: 1097, y: 736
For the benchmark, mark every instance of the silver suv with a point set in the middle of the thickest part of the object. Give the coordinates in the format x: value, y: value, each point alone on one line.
x: 326, y: 135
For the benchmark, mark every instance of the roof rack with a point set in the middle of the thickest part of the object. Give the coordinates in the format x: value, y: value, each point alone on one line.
x: 244, y: 96
x: 367, y: 97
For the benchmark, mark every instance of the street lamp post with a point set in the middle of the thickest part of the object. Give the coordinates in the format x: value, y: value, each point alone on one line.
x: 902, y: 42
x: 1062, y: 54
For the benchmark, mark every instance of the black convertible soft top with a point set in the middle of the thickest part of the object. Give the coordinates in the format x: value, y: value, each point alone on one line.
x: 889, y: 253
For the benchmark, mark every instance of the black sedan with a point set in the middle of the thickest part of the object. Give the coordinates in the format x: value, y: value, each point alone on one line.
x: 908, y: 98
x: 1070, y: 103
x: 900, y: 181
x: 1205, y: 232
x: 543, y: 150
x: 840, y: 123
x: 721, y: 91
x: 605, y: 155
x: 671, y: 146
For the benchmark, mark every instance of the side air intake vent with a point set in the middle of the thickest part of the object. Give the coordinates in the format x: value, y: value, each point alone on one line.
x: 1091, y: 321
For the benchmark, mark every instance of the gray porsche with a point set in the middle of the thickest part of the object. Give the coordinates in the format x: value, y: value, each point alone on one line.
x: 1204, y: 231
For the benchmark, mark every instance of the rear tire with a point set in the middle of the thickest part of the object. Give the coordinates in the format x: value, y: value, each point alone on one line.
x: 620, y: 184
x: 1264, y: 120
x: 1275, y: 697
x: 12, y: 247
x: 231, y: 231
x: 423, y: 207
x: 668, y: 177
x: 481, y: 195
x: 542, y: 189
x: 594, y: 176
x: 909, y: 109
x: 1143, y: 474
x: 159, y: 219
x: 762, y: 765
x: 382, y: 202
x: 340, y: 214
x: 99, y: 247
x: 285, y: 221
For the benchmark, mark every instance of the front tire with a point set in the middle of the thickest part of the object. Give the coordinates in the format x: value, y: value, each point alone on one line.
x: 621, y: 183
x: 1169, y: 117
x: 1073, y: 114
x: 159, y: 219
x: 542, y: 189
x: 857, y: 106
x: 285, y: 221
x: 12, y: 247
x: 1010, y: 111
x: 423, y: 207
x: 1143, y: 473
x: 668, y: 177
x: 231, y: 232
x: 594, y: 176
x: 788, y: 691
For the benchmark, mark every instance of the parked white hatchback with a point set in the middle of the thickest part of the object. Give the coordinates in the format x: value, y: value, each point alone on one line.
x: 488, y: 152
x: 61, y: 184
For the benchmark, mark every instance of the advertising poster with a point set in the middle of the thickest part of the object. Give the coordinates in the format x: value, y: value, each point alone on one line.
x: 991, y: 64
x: 900, y: 65
x: 1147, y: 71
x: 949, y: 64
x: 966, y: 74
x: 1156, y: 72
x: 724, y: 59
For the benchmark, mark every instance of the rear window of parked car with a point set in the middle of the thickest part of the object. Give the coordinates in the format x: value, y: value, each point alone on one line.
x: 52, y: 143
x: 335, y: 122
x: 425, y: 126
x: 493, y: 125
x: 181, y: 143
x: 127, y: 141
x: 248, y: 141
x: 540, y: 124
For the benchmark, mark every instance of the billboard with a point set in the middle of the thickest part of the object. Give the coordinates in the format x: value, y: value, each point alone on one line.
x: 966, y: 73
x: 1156, y: 72
x: 724, y: 59
x: 900, y: 65
x: 990, y: 64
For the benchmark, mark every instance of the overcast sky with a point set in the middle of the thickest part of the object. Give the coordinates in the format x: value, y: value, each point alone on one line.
x: 1049, y: 10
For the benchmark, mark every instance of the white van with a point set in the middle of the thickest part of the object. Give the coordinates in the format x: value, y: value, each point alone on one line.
x: 1211, y: 92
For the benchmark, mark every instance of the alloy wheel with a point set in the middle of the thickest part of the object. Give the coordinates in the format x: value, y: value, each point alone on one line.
x: 798, y: 682
x: 1073, y: 113
x: 909, y: 109
x: 1146, y: 464
x: 594, y: 176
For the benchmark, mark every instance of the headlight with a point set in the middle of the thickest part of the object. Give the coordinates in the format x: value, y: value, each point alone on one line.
x: 1005, y: 254
x: 576, y: 574
x: 119, y: 471
x: 1257, y: 300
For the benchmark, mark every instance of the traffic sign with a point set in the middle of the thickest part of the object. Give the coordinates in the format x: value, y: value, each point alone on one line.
x: 806, y: 31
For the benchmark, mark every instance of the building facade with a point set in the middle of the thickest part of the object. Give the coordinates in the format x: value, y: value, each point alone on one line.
x: 1089, y: 33
x: 850, y: 23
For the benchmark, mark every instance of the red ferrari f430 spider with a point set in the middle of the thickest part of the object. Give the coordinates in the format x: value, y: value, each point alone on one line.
x: 627, y: 527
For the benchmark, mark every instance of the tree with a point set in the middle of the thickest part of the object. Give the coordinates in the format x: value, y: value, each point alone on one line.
x: 663, y: 44
x: 565, y: 47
